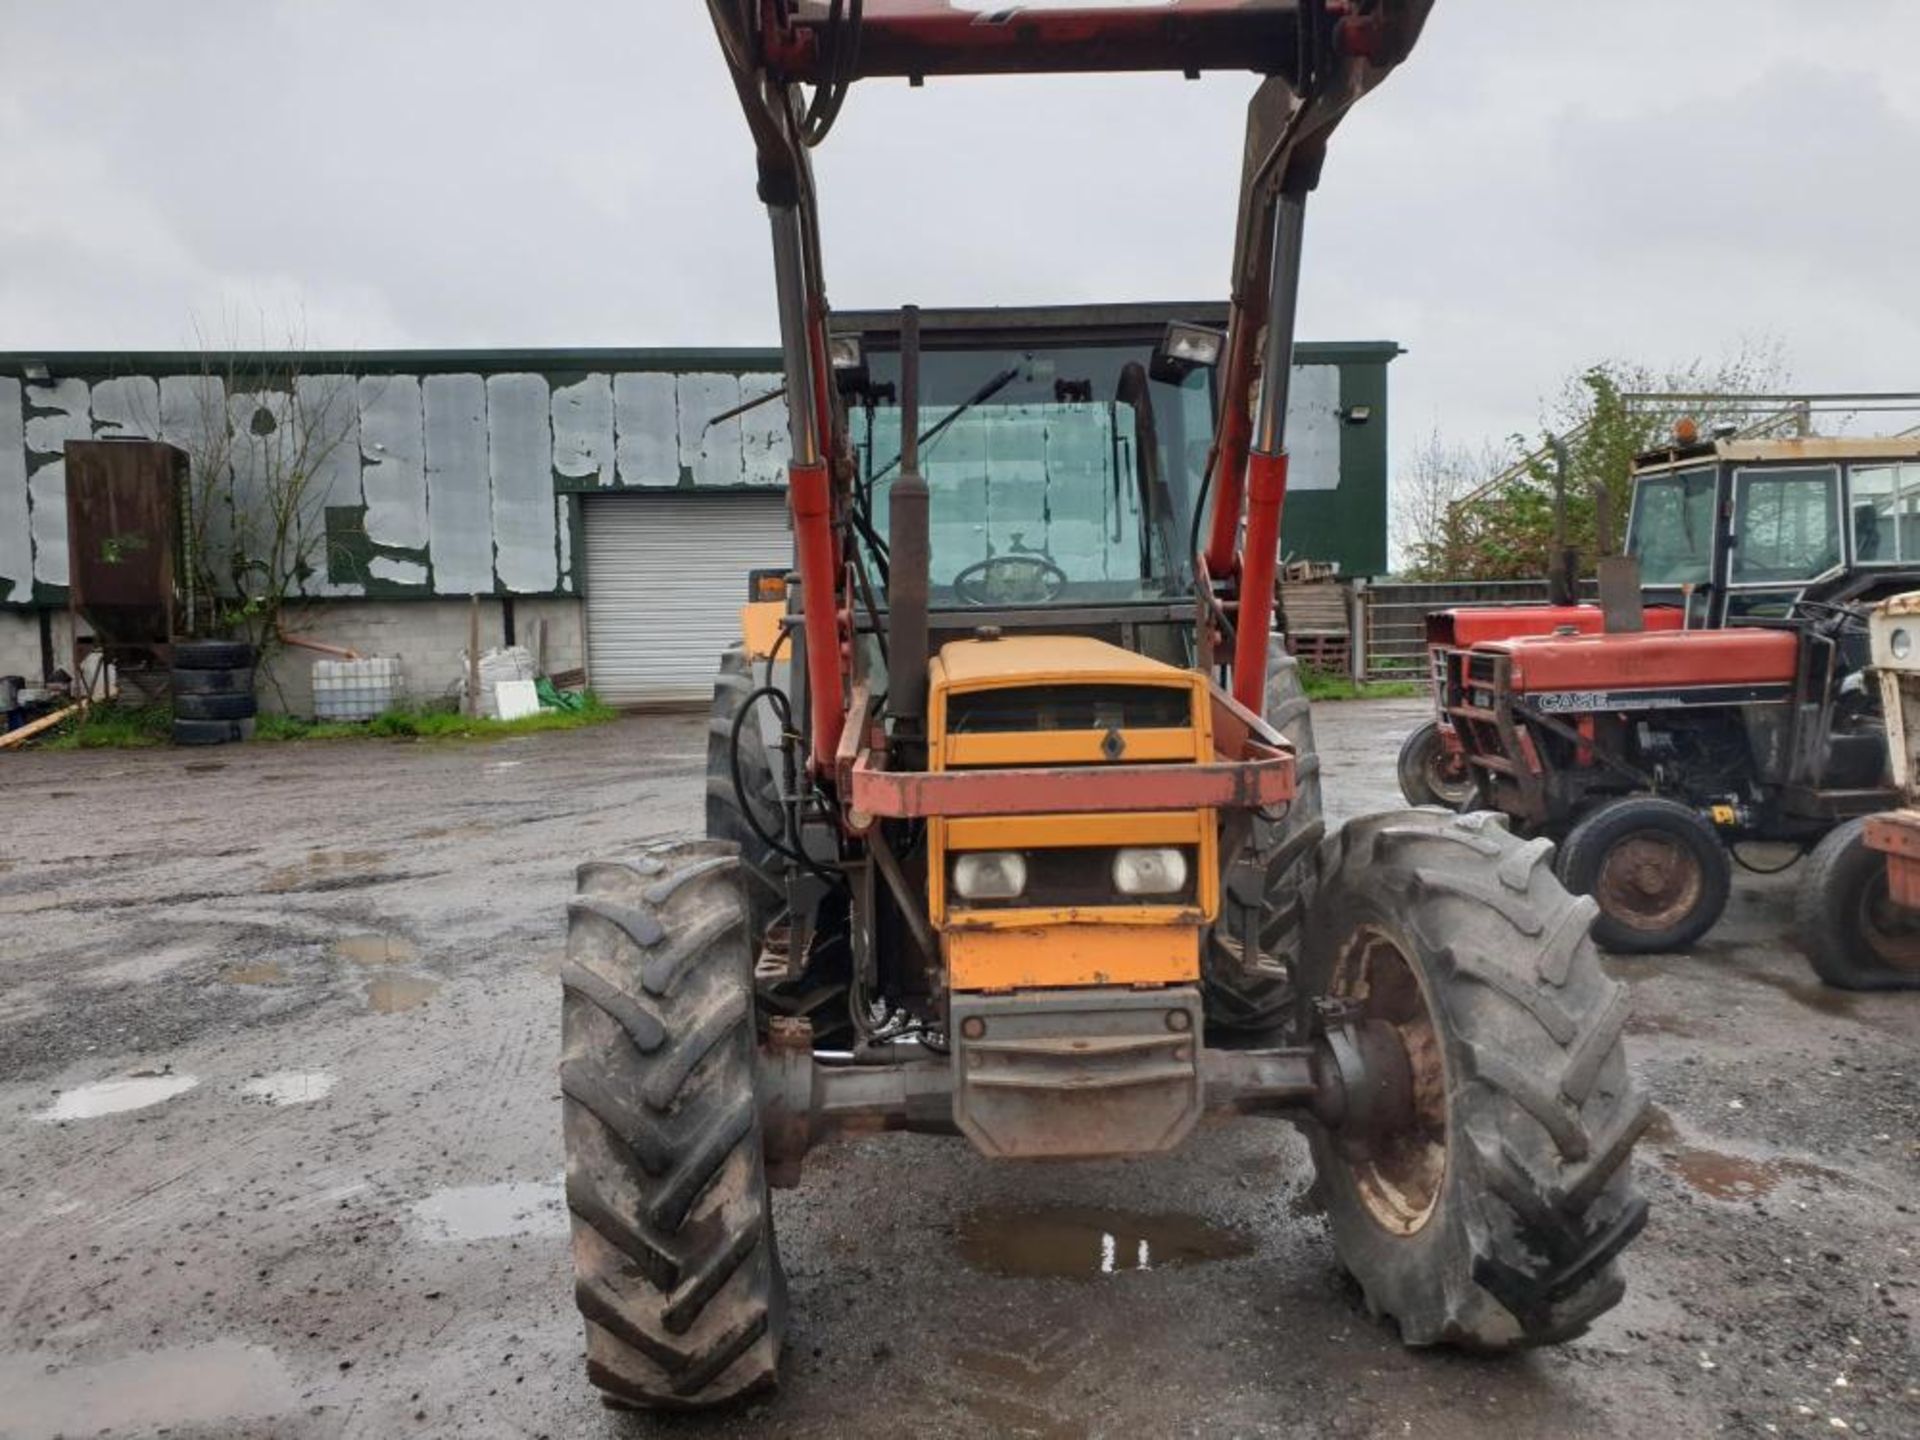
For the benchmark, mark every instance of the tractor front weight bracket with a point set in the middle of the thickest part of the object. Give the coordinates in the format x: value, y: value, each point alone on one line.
x: 1026, y: 1072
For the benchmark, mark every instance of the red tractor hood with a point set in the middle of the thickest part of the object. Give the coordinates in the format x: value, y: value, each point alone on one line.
x: 1675, y: 659
x: 1470, y: 626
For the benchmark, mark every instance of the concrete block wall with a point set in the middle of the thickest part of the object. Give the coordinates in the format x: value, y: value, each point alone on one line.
x: 429, y: 636
x: 20, y: 643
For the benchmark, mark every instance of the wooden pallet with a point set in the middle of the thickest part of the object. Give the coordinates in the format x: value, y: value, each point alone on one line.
x: 1322, y: 650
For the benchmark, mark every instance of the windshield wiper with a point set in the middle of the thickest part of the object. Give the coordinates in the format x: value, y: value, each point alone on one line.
x: 933, y: 432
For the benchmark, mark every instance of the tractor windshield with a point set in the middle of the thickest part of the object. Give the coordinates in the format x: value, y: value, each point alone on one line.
x: 1671, y: 528
x: 1056, y: 476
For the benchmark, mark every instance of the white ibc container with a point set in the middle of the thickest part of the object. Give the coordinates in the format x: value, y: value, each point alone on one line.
x: 355, y: 689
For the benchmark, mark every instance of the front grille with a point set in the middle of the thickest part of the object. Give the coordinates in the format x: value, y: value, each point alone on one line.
x: 1069, y: 707
x: 1077, y: 876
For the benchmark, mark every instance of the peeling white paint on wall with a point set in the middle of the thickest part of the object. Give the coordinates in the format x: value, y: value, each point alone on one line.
x: 192, y: 410
x: 16, y: 543
x: 520, y: 468
x: 57, y: 411
x: 64, y: 416
x: 393, y: 454
x: 646, y: 420
x: 397, y: 572
x: 710, y: 450
x: 127, y: 407
x: 330, y: 411
x: 583, y: 429
x: 763, y: 432
x: 459, y: 518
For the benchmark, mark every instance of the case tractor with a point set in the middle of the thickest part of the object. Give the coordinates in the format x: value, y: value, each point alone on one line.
x: 1858, y: 909
x: 1718, y: 694
x: 1014, y: 825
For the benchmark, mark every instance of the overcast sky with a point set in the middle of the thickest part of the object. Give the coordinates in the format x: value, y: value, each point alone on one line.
x: 1541, y: 186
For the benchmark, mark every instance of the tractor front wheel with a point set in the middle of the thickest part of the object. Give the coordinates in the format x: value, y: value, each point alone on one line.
x: 1486, y: 1207
x: 1657, y: 870
x: 1850, y: 927
x: 675, y: 1270
x: 1431, y: 774
x: 1250, y: 988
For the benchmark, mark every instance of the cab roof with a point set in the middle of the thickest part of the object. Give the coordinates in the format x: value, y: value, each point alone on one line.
x: 1822, y: 449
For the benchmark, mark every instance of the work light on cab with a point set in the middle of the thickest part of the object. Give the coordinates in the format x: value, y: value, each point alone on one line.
x: 1185, y: 349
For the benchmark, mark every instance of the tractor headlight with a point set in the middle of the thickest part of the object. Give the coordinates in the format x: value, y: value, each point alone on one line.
x: 990, y: 875
x: 1159, y: 870
x: 1900, y: 643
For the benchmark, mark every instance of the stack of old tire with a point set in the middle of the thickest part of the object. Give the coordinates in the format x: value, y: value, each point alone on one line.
x: 212, y: 692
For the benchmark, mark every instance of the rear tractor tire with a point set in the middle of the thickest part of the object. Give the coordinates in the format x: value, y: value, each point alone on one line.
x: 1658, y: 871
x: 1257, y: 994
x: 675, y: 1269
x: 1430, y: 774
x: 1490, y: 1213
x: 1854, y: 934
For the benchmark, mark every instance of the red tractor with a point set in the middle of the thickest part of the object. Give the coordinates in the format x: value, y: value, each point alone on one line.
x: 1716, y: 695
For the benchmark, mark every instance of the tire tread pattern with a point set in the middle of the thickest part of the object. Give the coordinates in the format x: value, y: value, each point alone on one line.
x: 1543, y: 1108
x: 676, y: 1273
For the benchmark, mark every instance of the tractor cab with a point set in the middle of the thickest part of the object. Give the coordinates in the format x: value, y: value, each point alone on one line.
x: 1732, y: 531
x: 1063, y: 455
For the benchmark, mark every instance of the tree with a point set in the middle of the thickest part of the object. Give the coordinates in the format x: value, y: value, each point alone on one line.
x: 263, y: 436
x: 1606, y: 414
x: 1426, y: 502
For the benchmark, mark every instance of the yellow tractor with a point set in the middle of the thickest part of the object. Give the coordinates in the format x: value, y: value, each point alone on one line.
x: 1013, y: 811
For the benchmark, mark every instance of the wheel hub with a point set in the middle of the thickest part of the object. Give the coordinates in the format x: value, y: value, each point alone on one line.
x: 1649, y: 881
x: 1889, y: 927
x: 1394, y: 1132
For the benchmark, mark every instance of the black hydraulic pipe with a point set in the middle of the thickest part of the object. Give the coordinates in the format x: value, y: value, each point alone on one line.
x: 909, y: 549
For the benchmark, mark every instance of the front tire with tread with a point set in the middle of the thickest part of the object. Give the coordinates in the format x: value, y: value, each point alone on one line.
x: 676, y: 1272
x: 1534, y: 1199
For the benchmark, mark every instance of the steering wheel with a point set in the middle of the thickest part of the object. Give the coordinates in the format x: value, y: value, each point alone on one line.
x: 1010, y: 580
x: 1843, y: 617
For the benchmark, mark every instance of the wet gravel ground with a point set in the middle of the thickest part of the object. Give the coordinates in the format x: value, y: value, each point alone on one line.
x: 279, y: 1155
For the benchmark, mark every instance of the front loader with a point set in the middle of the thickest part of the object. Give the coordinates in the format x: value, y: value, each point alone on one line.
x: 1013, y: 812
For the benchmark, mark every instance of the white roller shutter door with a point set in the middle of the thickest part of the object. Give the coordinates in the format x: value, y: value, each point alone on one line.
x: 666, y: 577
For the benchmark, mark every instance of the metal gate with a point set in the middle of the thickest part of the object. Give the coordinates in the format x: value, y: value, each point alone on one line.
x: 666, y: 576
x: 1397, y: 617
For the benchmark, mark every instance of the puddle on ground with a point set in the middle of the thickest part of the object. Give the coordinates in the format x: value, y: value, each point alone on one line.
x: 390, y: 994
x: 376, y: 950
x: 256, y: 972
x: 193, y: 1385
x: 466, y: 1213
x: 1079, y: 1241
x: 1808, y: 993
x: 318, y: 865
x: 112, y: 1097
x: 1738, y: 1177
x: 289, y: 1087
x: 203, y: 767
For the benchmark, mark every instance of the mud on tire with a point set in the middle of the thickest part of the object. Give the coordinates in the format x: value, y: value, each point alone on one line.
x: 1257, y: 994
x: 676, y: 1272
x: 1532, y: 1197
